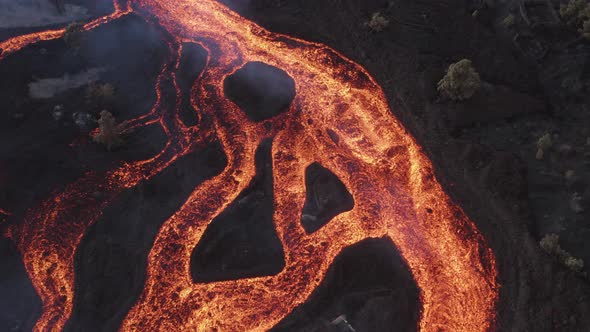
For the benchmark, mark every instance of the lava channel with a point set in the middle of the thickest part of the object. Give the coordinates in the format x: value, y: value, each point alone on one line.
x: 393, y: 183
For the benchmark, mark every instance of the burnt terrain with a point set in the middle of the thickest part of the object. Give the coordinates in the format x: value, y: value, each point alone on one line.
x: 536, y: 81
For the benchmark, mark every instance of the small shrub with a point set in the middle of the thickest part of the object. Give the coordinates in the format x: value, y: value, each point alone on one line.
x: 576, y: 13
x: 550, y: 244
x: 109, y: 133
x: 461, y: 81
x: 574, y: 264
x: 570, y: 176
x: 378, y: 22
x: 101, y: 95
x: 573, y: 12
x: 544, y: 143
x: 73, y: 34
x: 508, y: 21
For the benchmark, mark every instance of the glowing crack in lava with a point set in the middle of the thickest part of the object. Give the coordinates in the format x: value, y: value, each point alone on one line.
x: 339, y: 118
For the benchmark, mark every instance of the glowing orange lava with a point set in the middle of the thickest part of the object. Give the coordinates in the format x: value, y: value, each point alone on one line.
x: 14, y: 44
x: 392, y: 181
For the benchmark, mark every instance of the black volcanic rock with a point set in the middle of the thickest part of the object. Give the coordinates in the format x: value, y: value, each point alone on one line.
x: 111, y: 259
x: 260, y: 90
x: 192, y: 63
x: 20, y: 303
x: 326, y: 197
x: 370, y: 284
x: 493, y: 103
x: 242, y: 242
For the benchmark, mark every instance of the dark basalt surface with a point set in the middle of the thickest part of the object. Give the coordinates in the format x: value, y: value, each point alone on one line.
x: 325, y: 197
x: 111, y: 259
x: 260, y: 90
x: 20, y: 305
x: 242, y: 242
x: 191, y: 65
x: 368, y: 283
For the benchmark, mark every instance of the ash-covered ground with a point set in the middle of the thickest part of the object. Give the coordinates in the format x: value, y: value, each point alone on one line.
x: 535, y: 73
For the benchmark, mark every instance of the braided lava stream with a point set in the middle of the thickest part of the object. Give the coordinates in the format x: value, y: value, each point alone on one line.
x: 339, y: 118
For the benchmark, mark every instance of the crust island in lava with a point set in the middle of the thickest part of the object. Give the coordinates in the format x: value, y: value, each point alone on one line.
x: 393, y: 184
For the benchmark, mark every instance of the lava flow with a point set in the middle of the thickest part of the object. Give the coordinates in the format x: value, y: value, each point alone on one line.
x: 14, y: 44
x: 392, y: 181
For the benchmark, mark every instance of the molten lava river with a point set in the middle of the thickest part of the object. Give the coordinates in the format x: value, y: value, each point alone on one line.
x: 393, y: 184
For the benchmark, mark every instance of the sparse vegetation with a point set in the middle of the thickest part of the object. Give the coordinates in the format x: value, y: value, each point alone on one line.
x: 508, y: 21
x: 73, y: 35
x: 570, y: 176
x: 461, y: 81
x: 109, y: 133
x: 378, y: 22
x: 576, y: 13
x: 543, y: 145
x: 100, y: 94
x: 550, y: 244
x: 574, y: 264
